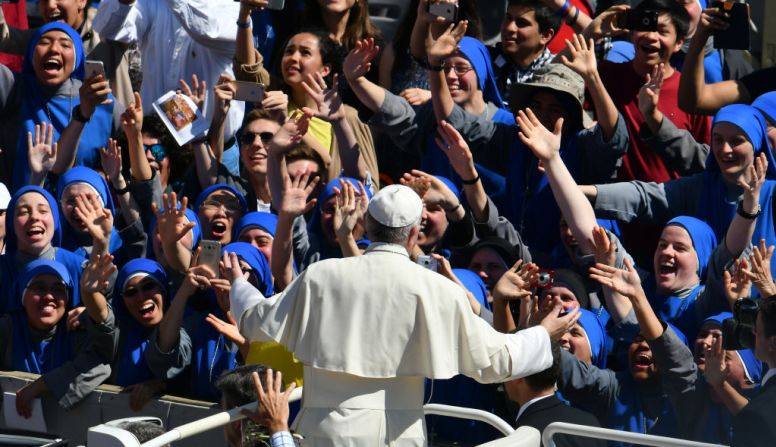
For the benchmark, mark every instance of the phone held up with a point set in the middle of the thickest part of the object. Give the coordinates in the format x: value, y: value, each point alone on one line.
x: 736, y: 36
x: 448, y: 11
x: 93, y: 68
x: 210, y: 255
x: 638, y: 20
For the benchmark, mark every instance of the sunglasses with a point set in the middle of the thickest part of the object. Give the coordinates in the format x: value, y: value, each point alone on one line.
x: 145, y: 286
x: 250, y: 137
x: 459, y: 69
x: 231, y: 207
x: 158, y: 151
x: 57, y: 290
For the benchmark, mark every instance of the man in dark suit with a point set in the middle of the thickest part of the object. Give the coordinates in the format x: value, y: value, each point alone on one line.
x: 539, y: 407
x: 755, y: 424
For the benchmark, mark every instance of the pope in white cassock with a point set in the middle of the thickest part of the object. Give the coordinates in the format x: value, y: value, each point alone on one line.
x: 369, y: 329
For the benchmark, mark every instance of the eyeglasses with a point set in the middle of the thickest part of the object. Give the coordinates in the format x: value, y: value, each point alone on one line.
x: 158, y: 151
x: 250, y: 137
x: 460, y: 69
x: 145, y: 286
x: 57, y: 290
x: 231, y: 207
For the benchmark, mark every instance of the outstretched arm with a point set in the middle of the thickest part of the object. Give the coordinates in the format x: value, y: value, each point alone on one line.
x: 741, y: 229
x: 356, y: 65
x: 440, y: 49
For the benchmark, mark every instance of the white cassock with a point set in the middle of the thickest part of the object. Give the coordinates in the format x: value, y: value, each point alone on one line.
x: 369, y: 329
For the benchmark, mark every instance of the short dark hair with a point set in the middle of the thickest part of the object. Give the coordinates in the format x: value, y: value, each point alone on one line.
x: 302, y: 151
x: 258, y: 114
x: 547, y: 378
x: 545, y: 17
x: 144, y: 431
x: 768, y: 311
x: 679, y: 16
x: 237, y: 387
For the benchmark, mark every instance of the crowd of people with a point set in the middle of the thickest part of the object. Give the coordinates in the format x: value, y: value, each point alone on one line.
x: 627, y: 173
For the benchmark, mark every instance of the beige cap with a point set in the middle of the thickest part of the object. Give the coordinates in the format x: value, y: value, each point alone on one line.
x: 396, y: 206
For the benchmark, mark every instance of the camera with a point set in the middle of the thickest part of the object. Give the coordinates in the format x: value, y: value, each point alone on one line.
x: 544, y: 280
x: 738, y: 332
x: 636, y: 20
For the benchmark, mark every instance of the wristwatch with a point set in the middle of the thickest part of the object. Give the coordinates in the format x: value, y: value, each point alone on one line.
x: 740, y: 211
x: 78, y: 115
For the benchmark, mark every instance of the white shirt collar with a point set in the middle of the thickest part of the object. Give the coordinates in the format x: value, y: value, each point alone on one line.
x: 531, y: 402
x: 768, y: 375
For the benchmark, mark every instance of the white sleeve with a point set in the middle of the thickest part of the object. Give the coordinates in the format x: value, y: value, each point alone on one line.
x: 242, y: 296
x: 530, y: 351
x: 210, y: 23
x: 120, y: 22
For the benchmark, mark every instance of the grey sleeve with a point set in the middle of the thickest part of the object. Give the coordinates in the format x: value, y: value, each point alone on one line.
x: 301, y: 241
x: 499, y: 226
x: 586, y: 385
x: 95, y: 348
x: 475, y: 129
x: 599, y: 159
x: 676, y: 147
x: 7, y: 82
x: 648, y: 202
x: 674, y: 360
x: 166, y: 365
x: 712, y: 299
x: 399, y: 121
x: 134, y: 240
x: 145, y: 193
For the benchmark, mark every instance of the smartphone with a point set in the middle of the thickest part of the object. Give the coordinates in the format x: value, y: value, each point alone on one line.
x: 94, y: 68
x: 736, y: 37
x: 210, y: 255
x: 428, y: 262
x: 638, y: 20
x: 448, y: 11
x: 248, y: 91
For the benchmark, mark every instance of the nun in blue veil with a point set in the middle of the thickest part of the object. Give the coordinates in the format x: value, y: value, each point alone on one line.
x: 36, y: 340
x: 47, y: 91
x: 39, y: 242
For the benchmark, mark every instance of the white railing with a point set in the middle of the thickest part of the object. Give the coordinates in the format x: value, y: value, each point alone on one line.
x: 614, y: 435
x: 470, y: 413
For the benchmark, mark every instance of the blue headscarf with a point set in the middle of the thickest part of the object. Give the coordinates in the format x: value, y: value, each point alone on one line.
x: 90, y: 177
x: 314, y: 226
x: 478, y: 56
x: 753, y: 368
x: 257, y: 219
x: 766, y: 104
x: 10, y: 233
x: 38, y: 106
x: 474, y: 284
x: 753, y: 125
x: 596, y: 337
x: 220, y: 186
x: 131, y: 367
x: 703, y: 240
x: 257, y: 261
x: 449, y: 183
x: 46, y: 355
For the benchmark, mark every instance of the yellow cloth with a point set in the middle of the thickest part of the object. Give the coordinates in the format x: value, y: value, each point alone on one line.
x: 319, y: 129
x: 277, y: 357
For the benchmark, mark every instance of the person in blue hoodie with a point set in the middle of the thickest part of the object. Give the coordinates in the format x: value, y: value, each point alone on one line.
x: 47, y: 91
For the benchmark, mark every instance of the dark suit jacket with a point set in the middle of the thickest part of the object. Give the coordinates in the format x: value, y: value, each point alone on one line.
x: 755, y: 424
x: 550, y: 409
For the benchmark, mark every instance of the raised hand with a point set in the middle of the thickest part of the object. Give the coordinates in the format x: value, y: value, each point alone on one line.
x: 517, y: 282
x: 197, y: 91
x: 454, y: 146
x: 716, y: 368
x: 713, y: 19
x: 98, y: 219
x: 649, y: 94
x: 358, y: 62
x: 96, y: 275
x: 224, y: 92
x: 437, y: 194
x: 416, y: 96
x: 605, y: 24
x: 447, y: 43
x: 738, y: 285
x: 557, y: 324
x: 226, y: 328
x: 624, y: 282
x: 290, y: 134
x: 295, y: 194
x: 276, y: 103
x: 754, y: 183
x: 543, y: 143
x: 132, y: 118
x: 94, y: 91
x: 171, y: 222
x: 110, y: 158
x: 349, y: 208
x: 272, y: 409
x: 197, y: 277
x: 232, y: 267
x: 582, y: 54
x: 605, y: 249
x: 327, y: 99
x: 760, y: 271
x: 41, y: 151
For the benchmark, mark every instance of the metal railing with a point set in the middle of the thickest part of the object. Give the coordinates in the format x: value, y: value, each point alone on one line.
x: 615, y: 435
x: 470, y: 413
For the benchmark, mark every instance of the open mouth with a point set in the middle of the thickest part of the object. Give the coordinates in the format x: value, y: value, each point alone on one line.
x: 52, y: 66
x: 147, y: 310
x: 650, y: 50
x: 218, y: 229
x: 667, y: 268
x: 642, y: 361
x: 36, y: 232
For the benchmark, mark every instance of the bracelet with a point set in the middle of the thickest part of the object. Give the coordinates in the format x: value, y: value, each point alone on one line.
x: 740, y: 211
x: 453, y: 209
x: 245, y: 25
x: 436, y: 68
x: 573, y: 20
x: 563, y: 9
x: 122, y: 191
x: 472, y: 181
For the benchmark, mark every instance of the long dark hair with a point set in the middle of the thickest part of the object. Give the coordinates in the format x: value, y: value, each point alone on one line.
x: 359, y: 25
x: 467, y: 10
